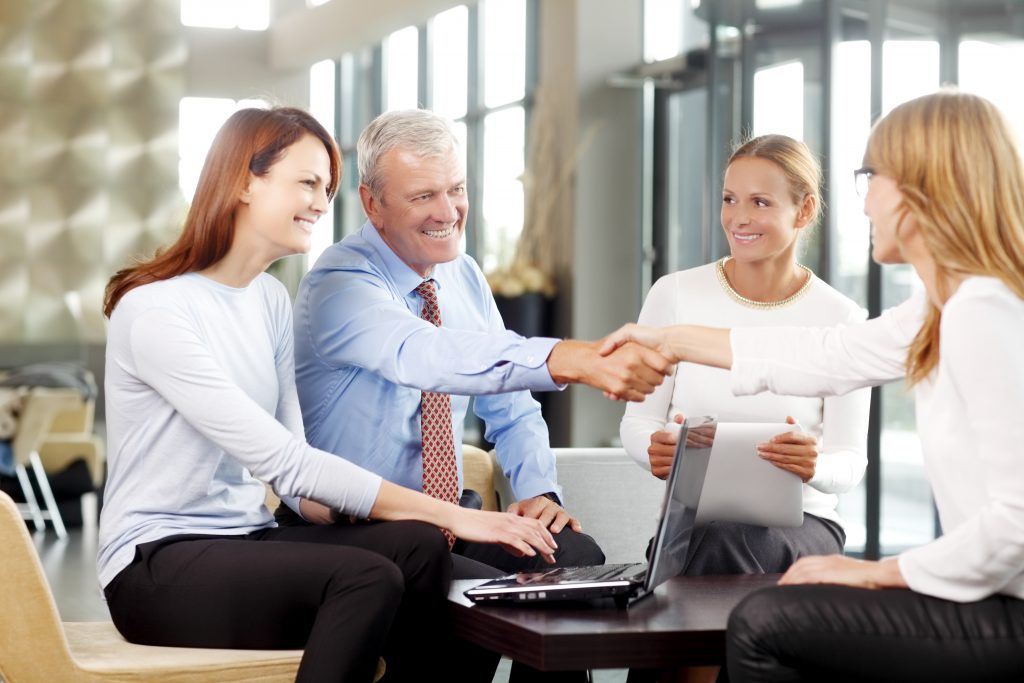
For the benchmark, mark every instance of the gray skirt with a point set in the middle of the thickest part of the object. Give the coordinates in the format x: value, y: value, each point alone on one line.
x: 731, y: 548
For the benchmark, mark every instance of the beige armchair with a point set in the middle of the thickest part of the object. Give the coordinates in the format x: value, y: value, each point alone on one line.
x: 478, y: 468
x: 35, y: 647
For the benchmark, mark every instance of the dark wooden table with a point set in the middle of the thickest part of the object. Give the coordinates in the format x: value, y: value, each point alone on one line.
x: 681, y: 624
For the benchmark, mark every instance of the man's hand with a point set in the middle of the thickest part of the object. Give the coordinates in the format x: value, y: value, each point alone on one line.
x: 551, y: 514
x: 795, y: 452
x: 845, y: 571
x: 629, y: 373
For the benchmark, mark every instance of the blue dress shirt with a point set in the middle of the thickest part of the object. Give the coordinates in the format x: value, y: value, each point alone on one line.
x: 363, y: 355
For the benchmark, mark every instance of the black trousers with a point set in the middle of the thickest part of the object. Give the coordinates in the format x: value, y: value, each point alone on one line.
x: 838, y: 633
x: 348, y: 594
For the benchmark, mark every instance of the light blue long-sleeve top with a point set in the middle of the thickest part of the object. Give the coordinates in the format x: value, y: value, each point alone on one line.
x: 363, y: 355
x: 201, y: 406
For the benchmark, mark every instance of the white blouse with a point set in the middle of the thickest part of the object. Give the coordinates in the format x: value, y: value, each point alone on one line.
x: 969, y: 416
x: 696, y: 297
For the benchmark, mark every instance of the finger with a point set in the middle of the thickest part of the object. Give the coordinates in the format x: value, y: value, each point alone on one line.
x: 522, y: 546
x: 667, y: 438
x: 655, y: 360
x: 558, y: 522
x: 511, y: 549
x: 515, y: 509
x: 679, y: 418
x: 794, y: 437
x: 790, y: 452
x: 615, y: 340
x: 575, y: 525
x: 633, y: 395
x: 548, y: 515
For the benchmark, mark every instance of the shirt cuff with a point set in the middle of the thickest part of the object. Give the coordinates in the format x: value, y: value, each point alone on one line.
x: 533, y: 354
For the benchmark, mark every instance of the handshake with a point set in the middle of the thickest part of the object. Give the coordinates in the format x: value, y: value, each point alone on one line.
x: 626, y: 365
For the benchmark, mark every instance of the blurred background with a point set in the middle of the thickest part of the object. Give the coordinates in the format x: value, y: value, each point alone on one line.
x: 595, y: 133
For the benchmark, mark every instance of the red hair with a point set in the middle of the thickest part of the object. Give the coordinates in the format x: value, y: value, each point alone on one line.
x: 249, y: 142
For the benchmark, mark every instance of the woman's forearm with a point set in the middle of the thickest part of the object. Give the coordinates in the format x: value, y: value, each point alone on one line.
x: 702, y: 345
x: 397, y: 502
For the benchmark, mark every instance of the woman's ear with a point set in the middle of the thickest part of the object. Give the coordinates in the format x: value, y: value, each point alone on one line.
x: 245, y: 196
x: 806, y: 211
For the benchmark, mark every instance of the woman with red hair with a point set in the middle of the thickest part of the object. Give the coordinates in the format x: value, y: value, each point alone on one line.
x: 202, y: 408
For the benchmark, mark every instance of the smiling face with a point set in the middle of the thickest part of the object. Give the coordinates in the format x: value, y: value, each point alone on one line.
x: 759, y: 217
x: 278, y: 209
x: 421, y: 214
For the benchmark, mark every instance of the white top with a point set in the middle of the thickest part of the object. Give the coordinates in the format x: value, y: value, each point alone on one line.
x: 968, y: 416
x: 201, y: 402
x: 695, y: 297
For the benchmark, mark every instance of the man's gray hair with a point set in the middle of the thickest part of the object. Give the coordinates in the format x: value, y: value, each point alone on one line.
x: 420, y: 131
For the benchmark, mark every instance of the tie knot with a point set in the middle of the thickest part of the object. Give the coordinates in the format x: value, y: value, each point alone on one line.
x: 431, y: 312
x: 427, y: 289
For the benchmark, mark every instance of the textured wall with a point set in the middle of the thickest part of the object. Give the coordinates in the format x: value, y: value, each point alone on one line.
x: 89, y: 93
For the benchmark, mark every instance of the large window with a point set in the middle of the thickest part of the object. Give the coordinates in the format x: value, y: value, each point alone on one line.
x: 251, y: 15
x: 469, y: 64
x: 822, y: 72
x: 199, y: 119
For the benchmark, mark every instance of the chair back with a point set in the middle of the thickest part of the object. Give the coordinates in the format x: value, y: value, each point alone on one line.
x: 478, y: 469
x: 42, y: 406
x: 33, y: 646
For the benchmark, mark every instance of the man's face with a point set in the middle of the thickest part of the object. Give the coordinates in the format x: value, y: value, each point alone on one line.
x: 421, y: 214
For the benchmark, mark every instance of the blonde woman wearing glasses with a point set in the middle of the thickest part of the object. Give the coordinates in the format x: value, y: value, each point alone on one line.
x: 945, y: 194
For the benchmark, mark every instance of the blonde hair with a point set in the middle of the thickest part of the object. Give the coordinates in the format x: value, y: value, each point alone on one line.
x: 800, y: 168
x: 957, y: 165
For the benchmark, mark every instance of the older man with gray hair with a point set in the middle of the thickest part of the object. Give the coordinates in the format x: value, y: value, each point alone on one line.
x: 396, y: 328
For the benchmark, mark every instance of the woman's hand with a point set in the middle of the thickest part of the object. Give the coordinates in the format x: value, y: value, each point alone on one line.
x: 662, y: 450
x: 795, y: 451
x: 518, y: 535
x: 652, y: 337
x: 845, y: 571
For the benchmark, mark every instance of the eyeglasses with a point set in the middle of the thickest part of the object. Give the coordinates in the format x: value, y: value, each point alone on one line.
x: 861, y: 178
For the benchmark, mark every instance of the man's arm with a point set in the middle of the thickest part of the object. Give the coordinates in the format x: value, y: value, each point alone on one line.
x: 629, y: 373
x: 359, y: 322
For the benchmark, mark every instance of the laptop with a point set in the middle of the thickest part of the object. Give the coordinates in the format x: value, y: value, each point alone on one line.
x: 713, y: 464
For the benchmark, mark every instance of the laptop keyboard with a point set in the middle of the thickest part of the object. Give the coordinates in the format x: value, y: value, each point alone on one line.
x: 600, y: 572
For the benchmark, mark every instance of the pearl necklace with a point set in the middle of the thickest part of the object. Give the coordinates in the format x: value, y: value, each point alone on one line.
x: 763, y: 305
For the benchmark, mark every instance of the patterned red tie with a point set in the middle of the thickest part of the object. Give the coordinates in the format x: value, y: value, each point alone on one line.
x: 440, y: 470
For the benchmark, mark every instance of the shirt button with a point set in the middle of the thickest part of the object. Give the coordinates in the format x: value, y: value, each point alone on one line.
x: 529, y: 359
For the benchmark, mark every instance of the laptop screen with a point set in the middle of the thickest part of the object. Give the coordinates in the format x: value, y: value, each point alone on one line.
x: 671, y: 546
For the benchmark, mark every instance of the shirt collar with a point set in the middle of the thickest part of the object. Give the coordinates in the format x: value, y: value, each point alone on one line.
x: 406, y: 279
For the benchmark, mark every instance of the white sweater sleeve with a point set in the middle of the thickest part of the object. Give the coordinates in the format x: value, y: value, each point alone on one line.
x: 827, y: 361
x: 650, y: 415
x: 983, y: 553
x: 171, y: 358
